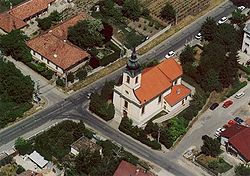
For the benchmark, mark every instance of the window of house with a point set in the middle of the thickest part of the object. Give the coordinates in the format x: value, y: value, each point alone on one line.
x: 159, y: 98
x: 126, y: 92
x: 56, y: 67
x: 47, y: 61
x: 143, y: 110
x: 248, y: 37
x: 246, y: 44
x: 136, y: 80
x: 175, y: 82
x: 128, y: 79
x: 125, y: 104
x: 34, y: 53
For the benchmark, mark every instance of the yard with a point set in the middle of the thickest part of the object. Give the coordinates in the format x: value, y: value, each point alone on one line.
x: 215, y: 165
x: 4, y: 5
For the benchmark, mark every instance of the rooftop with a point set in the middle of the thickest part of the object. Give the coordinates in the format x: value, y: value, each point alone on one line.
x: 232, y: 130
x: 61, y: 30
x: 85, y: 143
x: 30, y: 8
x: 178, y: 92
x: 9, y: 22
x: 157, y: 79
x: 128, y: 169
x: 38, y: 159
x: 60, y: 52
x: 241, y: 141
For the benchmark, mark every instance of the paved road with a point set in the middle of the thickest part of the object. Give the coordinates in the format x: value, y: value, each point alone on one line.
x: 73, y: 104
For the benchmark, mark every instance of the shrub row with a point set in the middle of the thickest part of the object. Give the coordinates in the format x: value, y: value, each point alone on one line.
x: 137, y: 133
x: 41, y: 69
x: 236, y: 88
x: 245, y: 69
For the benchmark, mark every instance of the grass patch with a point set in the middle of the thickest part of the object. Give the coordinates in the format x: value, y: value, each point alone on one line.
x: 236, y: 88
x: 215, y: 165
x: 183, y: 23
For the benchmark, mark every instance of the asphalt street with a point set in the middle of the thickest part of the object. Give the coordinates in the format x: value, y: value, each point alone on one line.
x: 72, y: 106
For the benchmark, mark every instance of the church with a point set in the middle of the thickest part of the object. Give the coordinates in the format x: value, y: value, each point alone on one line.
x: 144, y: 93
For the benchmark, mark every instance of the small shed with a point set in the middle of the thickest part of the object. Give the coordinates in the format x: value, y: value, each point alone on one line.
x: 38, y: 159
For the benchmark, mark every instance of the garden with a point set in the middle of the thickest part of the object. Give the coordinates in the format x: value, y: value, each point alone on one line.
x: 131, y: 21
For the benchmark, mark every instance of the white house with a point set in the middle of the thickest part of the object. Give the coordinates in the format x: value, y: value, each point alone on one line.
x: 145, y: 93
x: 246, y: 40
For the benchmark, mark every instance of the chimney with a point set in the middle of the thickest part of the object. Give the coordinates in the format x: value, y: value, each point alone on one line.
x: 137, y: 171
x: 178, y: 91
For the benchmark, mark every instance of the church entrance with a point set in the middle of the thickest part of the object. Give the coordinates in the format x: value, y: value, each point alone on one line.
x: 125, y: 113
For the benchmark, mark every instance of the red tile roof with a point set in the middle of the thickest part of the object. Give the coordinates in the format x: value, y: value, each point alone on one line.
x: 127, y: 169
x: 30, y: 8
x: 232, y: 130
x: 178, y: 93
x: 157, y: 79
x: 61, y: 30
x: 9, y: 22
x: 61, y: 53
x: 241, y: 142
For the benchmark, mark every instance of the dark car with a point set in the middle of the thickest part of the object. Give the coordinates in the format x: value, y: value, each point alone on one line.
x: 214, y: 106
x: 238, y: 120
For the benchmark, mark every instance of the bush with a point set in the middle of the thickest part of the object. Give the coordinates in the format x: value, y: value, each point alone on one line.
x: 23, y: 146
x: 47, y: 22
x: 20, y: 169
x: 242, y: 170
x: 245, y: 69
x: 7, y: 160
x: 236, y: 88
x: 112, y: 57
x: 60, y: 82
x: 210, y: 147
x: 81, y: 73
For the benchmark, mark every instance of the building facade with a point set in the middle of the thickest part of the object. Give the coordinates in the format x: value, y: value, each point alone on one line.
x: 145, y: 93
x: 246, y: 40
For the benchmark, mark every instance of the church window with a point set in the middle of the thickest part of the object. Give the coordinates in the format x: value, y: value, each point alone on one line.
x: 143, y: 110
x: 125, y: 104
x: 128, y: 79
x: 136, y: 80
x: 159, y: 99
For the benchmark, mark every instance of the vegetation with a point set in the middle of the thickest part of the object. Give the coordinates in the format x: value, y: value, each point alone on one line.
x: 5, y: 5
x: 245, y: 3
x: 87, y: 33
x: 23, y: 146
x: 137, y: 133
x: 238, y: 18
x: 168, y: 12
x: 81, y: 73
x: 41, y: 68
x: 242, y: 170
x: 14, y: 44
x: 219, y: 165
x: 60, y: 82
x: 16, y: 92
x: 47, y: 22
x: 236, y: 87
x: 132, y: 9
x: 210, y: 146
x: 100, y: 104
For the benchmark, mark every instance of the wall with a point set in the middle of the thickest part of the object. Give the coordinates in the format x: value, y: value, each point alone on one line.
x: 246, y: 44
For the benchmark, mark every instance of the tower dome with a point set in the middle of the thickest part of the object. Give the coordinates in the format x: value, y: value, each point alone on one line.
x: 133, y: 67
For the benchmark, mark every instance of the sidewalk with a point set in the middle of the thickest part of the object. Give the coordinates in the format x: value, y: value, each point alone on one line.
x: 47, y: 91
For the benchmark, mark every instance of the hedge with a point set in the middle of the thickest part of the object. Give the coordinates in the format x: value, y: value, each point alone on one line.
x: 236, y: 88
x: 245, y: 69
x: 46, y: 72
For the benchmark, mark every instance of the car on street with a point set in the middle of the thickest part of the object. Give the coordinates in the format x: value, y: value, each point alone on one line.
x: 238, y: 120
x: 241, y: 8
x: 239, y: 95
x: 198, y: 36
x: 227, y: 103
x: 89, y: 95
x: 214, y: 106
x: 170, y: 54
x: 222, y: 20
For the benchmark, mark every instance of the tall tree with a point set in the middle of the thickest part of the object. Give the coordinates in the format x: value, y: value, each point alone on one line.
x: 168, y: 12
x: 211, y: 81
x: 187, y: 55
x: 132, y: 9
x: 86, y: 34
x: 209, y: 29
x: 210, y: 146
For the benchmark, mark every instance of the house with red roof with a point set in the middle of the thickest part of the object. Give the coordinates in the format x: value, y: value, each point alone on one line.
x: 128, y: 169
x: 145, y: 93
x: 236, y: 139
x: 56, y: 52
x: 18, y: 16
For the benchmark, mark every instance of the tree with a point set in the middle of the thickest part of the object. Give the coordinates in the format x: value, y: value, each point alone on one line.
x: 23, y: 146
x: 168, y: 12
x: 187, y: 55
x: 109, y: 9
x: 107, y: 32
x: 107, y: 90
x: 71, y: 77
x: 211, y: 81
x: 238, y: 17
x: 210, y: 146
x: 81, y: 73
x: 209, y: 29
x: 245, y: 3
x: 132, y: 9
x: 242, y: 170
x: 14, y: 44
x: 86, y: 34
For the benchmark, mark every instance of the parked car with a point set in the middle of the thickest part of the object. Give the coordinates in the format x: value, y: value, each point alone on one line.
x: 227, y: 103
x: 198, y: 36
x: 170, y: 54
x: 214, y: 106
x: 239, y: 95
x: 241, y: 8
x: 231, y: 122
x: 89, y: 95
x: 222, y: 20
x: 218, y: 131
x: 238, y: 120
